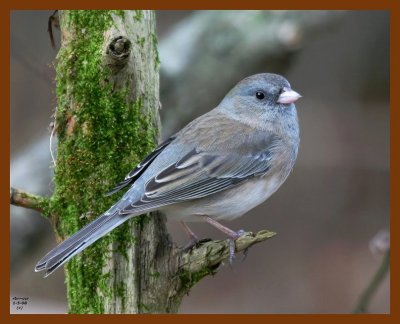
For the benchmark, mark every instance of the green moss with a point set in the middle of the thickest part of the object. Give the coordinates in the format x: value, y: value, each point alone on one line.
x: 109, y: 137
x: 138, y: 15
x: 120, y: 13
x: 188, y: 280
x: 45, y: 207
x: 120, y: 291
x: 141, y: 41
x: 143, y: 308
x: 123, y: 236
x: 155, y: 274
x: 156, y: 55
x: 141, y: 220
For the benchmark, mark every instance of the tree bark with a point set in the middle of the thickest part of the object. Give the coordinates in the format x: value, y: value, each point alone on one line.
x: 107, y: 121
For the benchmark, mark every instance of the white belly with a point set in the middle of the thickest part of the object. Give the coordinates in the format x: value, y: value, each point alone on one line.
x: 226, y: 205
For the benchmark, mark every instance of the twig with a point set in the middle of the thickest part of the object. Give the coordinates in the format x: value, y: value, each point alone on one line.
x: 23, y: 199
x: 53, y: 21
x: 210, y: 254
x: 53, y: 130
x: 366, y: 296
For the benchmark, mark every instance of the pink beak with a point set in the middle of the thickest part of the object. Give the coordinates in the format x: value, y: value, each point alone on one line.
x: 288, y: 96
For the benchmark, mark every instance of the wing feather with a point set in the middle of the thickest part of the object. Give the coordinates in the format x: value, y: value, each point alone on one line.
x: 199, y: 174
x: 132, y: 176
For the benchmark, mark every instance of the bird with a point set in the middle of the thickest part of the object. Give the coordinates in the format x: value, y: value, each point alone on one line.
x: 217, y: 168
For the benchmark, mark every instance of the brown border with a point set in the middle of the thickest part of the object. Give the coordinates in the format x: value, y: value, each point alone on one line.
x: 392, y: 5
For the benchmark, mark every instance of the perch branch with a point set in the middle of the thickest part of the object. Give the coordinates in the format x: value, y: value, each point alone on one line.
x: 23, y: 199
x: 210, y: 254
x: 367, y: 295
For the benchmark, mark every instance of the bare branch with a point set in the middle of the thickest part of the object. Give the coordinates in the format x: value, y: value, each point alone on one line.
x: 23, y: 199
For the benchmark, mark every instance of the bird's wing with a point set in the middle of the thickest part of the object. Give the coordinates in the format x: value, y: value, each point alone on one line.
x: 132, y: 176
x: 201, y: 173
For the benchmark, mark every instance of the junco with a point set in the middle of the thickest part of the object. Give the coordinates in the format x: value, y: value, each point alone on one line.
x: 218, y: 167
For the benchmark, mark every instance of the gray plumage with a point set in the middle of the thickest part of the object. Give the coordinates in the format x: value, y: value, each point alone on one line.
x: 221, y: 165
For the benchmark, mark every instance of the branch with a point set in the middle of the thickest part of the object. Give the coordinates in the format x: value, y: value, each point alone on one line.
x: 205, y: 259
x: 23, y: 199
x: 367, y: 295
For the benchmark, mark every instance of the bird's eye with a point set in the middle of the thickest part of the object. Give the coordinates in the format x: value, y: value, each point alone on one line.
x: 260, y: 95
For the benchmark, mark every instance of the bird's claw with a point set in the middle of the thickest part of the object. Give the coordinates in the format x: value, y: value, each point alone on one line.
x: 232, y: 240
x: 245, y: 252
x: 193, y: 243
x: 189, y: 245
x: 231, y: 251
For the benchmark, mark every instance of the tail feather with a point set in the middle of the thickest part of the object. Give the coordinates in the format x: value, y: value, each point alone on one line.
x: 79, y: 241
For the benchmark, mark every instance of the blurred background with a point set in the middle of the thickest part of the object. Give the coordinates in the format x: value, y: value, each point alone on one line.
x: 326, y: 213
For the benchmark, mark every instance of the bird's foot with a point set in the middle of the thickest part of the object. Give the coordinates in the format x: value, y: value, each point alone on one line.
x: 232, y: 245
x: 189, y: 245
x: 233, y: 236
x: 194, y: 242
x: 245, y: 252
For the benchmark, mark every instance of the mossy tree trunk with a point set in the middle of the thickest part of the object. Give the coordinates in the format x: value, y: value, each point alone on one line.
x: 106, y: 122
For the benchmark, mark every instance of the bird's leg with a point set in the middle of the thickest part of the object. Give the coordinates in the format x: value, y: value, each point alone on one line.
x: 193, y: 239
x: 231, y: 233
